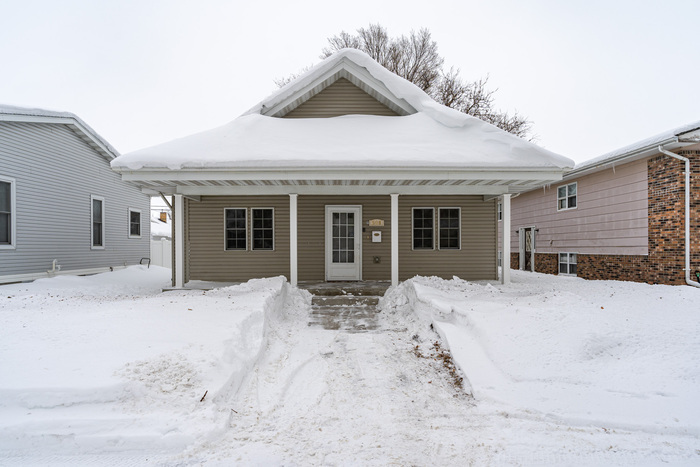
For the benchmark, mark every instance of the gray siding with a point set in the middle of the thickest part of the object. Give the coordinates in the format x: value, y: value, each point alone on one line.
x: 207, y: 258
x: 55, y: 174
x: 340, y: 98
x: 475, y: 260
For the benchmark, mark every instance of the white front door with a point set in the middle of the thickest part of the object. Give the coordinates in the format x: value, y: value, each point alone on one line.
x: 343, y: 243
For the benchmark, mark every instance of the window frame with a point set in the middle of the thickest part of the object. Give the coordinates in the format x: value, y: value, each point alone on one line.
x: 459, y: 228
x: 131, y: 235
x: 568, y: 264
x: 567, y: 196
x: 499, y: 211
x: 13, y: 214
x: 103, y: 230
x: 252, y: 229
x: 413, y: 234
x: 245, y: 229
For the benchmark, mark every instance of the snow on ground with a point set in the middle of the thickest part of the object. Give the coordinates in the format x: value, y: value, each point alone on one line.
x: 108, y: 369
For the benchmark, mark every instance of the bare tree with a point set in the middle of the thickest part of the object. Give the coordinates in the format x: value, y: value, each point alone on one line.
x: 415, y: 57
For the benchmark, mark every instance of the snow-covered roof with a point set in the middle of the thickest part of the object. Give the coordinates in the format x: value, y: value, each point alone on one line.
x: 10, y: 113
x: 640, y: 147
x: 427, y: 135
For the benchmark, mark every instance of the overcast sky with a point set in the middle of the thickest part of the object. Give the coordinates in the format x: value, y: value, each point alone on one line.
x: 591, y: 75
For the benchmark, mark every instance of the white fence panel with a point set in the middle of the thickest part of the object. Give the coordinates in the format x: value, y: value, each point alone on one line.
x: 162, y: 253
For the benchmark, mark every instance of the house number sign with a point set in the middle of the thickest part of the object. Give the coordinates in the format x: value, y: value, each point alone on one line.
x: 376, y: 222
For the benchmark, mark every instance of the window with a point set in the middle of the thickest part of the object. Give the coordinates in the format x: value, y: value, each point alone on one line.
x: 449, y: 228
x: 423, y: 228
x: 134, y: 223
x: 7, y: 213
x: 566, y: 197
x: 235, y: 220
x: 567, y: 263
x: 98, y: 222
x: 263, y: 228
x: 500, y: 258
x: 500, y: 211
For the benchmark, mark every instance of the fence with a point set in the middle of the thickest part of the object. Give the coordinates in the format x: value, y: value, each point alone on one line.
x: 162, y: 253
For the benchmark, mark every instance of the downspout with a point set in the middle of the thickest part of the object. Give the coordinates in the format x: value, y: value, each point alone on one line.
x: 687, y: 213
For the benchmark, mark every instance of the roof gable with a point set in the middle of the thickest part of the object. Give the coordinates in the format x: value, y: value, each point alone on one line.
x: 340, y: 98
x: 324, y: 75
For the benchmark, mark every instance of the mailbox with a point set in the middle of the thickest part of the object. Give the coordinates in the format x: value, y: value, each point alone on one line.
x: 376, y: 236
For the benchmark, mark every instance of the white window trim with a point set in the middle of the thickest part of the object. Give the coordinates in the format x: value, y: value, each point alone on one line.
x: 246, y: 230
x: 459, y: 238
x: 104, y: 230
x: 567, y: 208
x: 568, y: 263
x: 274, y: 243
x: 412, y: 231
x: 129, y: 223
x: 13, y: 214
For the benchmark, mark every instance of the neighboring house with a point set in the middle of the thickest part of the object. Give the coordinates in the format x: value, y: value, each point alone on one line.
x: 349, y: 172
x: 620, y: 216
x: 62, y: 209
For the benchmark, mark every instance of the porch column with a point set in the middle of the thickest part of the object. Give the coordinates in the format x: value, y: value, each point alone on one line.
x: 293, y: 239
x: 394, y: 239
x: 179, y: 259
x: 505, y: 264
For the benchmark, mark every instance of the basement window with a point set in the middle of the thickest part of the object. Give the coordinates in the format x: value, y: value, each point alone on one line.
x: 567, y: 263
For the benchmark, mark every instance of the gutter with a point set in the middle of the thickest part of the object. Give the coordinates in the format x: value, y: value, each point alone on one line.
x: 687, y: 213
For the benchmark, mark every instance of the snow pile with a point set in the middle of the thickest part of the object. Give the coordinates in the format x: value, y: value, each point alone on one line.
x: 604, y: 353
x: 109, y: 363
x: 434, y: 136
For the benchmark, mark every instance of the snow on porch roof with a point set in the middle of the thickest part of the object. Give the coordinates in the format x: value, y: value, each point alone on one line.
x: 433, y: 136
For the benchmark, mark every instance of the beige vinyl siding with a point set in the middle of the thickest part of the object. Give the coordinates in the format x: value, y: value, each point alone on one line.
x: 340, y: 98
x: 475, y: 260
x: 207, y: 258
x: 610, y: 217
x: 311, y: 234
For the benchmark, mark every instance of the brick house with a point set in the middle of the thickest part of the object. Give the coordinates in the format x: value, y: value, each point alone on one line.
x: 620, y: 216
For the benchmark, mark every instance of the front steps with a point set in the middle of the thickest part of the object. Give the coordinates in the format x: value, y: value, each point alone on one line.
x: 347, y: 307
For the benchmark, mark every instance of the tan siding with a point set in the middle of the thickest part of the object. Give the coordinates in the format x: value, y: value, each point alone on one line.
x: 208, y: 259
x: 610, y: 217
x: 475, y: 260
x: 340, y: 98
x: 311, y: 234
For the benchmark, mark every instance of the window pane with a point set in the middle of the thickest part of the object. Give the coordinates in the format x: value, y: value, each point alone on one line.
x: 5, y: 194
x: 5, y: 228
x: 572, y: 189
x: 562, y: 257
x: 561, y: 192
x: 262, y: 229
x: 572, y: 269
x: 96, y: 210
x: 235, y: 229
x: 572, y: 202
x: 97, y: 234
x: 562, y: 203
x: 449, y: 228
x: 562, y: 269
x: 423, y: 229
x: 572, y: 258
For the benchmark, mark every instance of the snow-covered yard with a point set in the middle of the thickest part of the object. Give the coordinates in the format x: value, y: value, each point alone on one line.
x: 108, y: 369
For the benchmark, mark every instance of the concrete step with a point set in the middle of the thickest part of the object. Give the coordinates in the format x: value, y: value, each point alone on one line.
x: 366, y: 288
x: 344, y: 300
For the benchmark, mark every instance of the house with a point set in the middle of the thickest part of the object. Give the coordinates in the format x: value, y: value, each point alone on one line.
x: 347, y: 173
x: 62, y: 209
x: 627, y: 215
